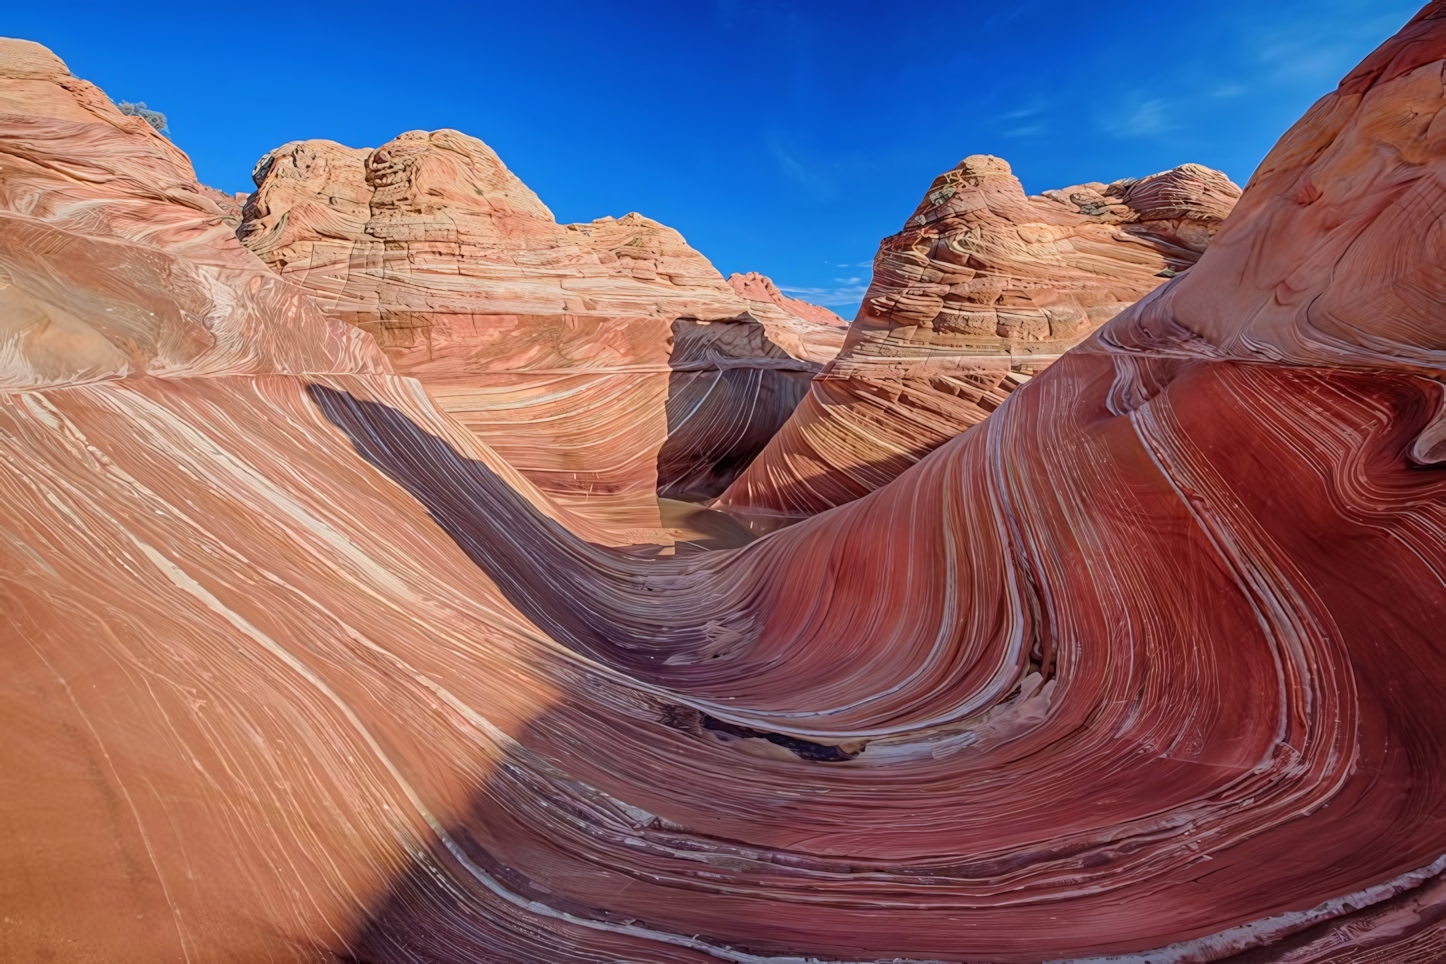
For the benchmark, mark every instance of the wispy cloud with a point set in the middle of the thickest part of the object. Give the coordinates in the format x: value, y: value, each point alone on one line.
x: 1026, y: 121
x: 1033, y: 110
x: 1313, y: 53
x: 1004, y: 13
x: 1316, y: 52
x: 1028, y: 130
x: 813, y: 181
x: 849, y: 294
x: 1151, y: 117
x: 1139, y: 116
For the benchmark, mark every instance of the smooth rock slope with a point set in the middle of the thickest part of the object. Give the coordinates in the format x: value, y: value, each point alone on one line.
x: 1146, y: 667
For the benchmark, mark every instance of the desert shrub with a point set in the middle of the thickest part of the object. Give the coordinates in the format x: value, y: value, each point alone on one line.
x: 139, y: 109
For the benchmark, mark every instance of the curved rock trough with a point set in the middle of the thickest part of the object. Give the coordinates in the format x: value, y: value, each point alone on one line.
x: 296, y: 666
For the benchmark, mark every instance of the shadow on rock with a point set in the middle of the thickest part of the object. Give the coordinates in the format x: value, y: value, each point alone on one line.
x: 609, y: 604
x: 731, y: 389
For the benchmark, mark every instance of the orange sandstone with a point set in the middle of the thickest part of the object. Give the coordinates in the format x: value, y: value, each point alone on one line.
x: 983, y: 287
x: 1146, y: 667
x: 609, y: 362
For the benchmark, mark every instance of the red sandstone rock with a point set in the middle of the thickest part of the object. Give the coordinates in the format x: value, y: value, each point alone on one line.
x: 1146, y: 667
x: 761, y: 290
x: 983, y: 287
x: 609, y: 362
x: 115, y: 262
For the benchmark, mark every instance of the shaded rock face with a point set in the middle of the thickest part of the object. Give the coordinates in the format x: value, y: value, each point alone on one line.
x: 551, y: 342
x: 983, y: 287
x: 293, y: 667
x: 730, y: 390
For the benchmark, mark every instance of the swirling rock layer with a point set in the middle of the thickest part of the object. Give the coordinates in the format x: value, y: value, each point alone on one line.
x: 1144, y: 668
x: 609, y: 361
x: 982, y: 288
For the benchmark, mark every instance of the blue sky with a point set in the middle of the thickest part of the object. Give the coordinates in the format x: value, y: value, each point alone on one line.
x: 779, y: 136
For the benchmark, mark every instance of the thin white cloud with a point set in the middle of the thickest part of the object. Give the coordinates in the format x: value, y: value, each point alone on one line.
x: 1139, y: 116
x: 1029, y: 120
x: 847, y: 295
x: 1316, y: 52
x: 1151, y: 117
x: 812, y: 181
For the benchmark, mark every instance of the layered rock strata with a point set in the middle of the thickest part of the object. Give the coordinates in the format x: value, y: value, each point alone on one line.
x: 1145, y: 668
x: 983, y: 287
x: 609, y: 362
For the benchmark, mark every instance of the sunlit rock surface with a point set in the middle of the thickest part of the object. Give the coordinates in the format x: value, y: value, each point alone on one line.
x: 1145, y: 668
x: 983, y: 287
x: 609, y: 362
x: 114, y: 261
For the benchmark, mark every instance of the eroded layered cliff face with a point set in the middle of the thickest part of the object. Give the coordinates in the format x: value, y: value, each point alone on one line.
x: 609, y: 362
x: 1145, y: 668
x: 983, y: 287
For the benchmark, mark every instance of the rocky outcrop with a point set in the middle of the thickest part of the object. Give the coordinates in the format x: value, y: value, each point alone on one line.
x: 609, y: 362
x: 1146, y: 667
x: 115, y: 262
x: 983, y: 287
x: 763, y: 293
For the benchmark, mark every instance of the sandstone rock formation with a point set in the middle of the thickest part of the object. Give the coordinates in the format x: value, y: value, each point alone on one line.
x: 767, y: 299
x: 609, y: 362
x: 114, y: 261
x: 293, y: 668
x: 983, y: 287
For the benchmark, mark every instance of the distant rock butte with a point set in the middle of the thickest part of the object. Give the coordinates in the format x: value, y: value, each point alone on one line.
x: 609, y: 361
x: 983, y: 287
x: 761, y: 290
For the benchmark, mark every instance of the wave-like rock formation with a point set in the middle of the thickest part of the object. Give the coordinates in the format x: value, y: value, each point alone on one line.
x: 1146, y: 667
x: 982, y: 288
x: 609, y: 362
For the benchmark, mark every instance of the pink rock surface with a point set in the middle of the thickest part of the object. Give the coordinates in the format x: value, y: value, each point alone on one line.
x: 983, y: 287
x: 609, y: 362
x: 114, y: 261
x: 293, y: 667
x: 761, y: 290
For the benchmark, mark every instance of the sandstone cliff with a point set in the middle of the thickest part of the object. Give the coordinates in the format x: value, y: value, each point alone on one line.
x: 609, y: 362
x: 983, y: 287
x: 115, y: 262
